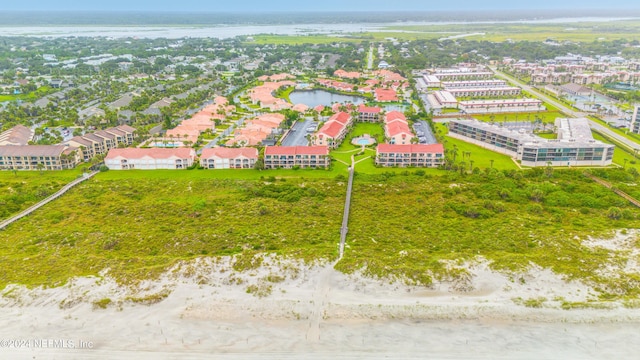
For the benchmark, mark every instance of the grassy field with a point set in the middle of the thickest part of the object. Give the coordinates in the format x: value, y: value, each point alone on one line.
x: 347, y: 37
x: 137, y: 227
x: 42, y: 91
x: 482, y: 158
x: 299, y: 39
x: 579, y: 32
x: 22, y: 189
x: 620, y: 155
x: 405, y: 224
x: 427, y: 225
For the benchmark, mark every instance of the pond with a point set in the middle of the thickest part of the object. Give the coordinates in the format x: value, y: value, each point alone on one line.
x: 314, y: 98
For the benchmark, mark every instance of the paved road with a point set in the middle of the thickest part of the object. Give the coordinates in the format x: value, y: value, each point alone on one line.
x: 570, y: 112
x: 370, y: 58
x: 297, y: 136
x: 225, y: 133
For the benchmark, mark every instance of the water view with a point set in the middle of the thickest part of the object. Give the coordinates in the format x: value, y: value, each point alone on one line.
x: 314, y: 98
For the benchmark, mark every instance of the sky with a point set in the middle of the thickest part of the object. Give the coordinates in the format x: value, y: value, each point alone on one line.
x: 304, y: 5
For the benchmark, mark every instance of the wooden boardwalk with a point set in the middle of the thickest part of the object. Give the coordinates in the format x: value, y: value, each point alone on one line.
x: 347, y: 205
x: 617, y: 191
x: 44, y: 202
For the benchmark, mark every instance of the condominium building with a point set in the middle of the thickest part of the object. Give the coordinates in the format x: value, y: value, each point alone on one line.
x: 333, y: 131
x: 38, y: 157
x: 229, y: 158
x: 287, y: 157
x: 410, y: 155
x: 100, y: 142
x: 635, y: 121
x: 462, y: 75
x: 501, y: 106
x: 443, y: 99
x: 369, y: 113
x: 149, y: 159
x: 574, y: 146
x: 447, y: 85
x: 485, y: 91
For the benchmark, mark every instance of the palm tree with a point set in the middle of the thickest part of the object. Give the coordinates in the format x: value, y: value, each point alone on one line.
x: 40, y: 167
x: 454, y: 152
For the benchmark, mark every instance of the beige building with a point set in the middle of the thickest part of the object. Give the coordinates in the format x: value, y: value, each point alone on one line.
x: 38, y: 157
x: 229, y: 158
x: 100, y: 142
x: 287, y: 157
x: 149, y: 159
x: 410, y: 155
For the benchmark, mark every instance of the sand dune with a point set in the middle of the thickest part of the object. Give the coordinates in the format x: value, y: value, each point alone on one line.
x: 312, y: 311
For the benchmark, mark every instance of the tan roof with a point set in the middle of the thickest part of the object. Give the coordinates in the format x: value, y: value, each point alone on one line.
x: 32, y: 150
x: 17, y: 135
x: 126, y: 128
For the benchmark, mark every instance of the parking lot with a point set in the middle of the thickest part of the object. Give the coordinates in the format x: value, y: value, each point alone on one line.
x: 424, y: 133
x: 297, y: 136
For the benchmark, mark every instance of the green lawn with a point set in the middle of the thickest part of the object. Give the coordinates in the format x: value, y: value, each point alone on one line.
x: 42, y: 91
x: 623, y: 132
x: 548, y: 135
x: 482, y: 158
x: 620, y: 155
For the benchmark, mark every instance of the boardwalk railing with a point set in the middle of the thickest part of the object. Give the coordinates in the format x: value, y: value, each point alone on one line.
x: 347, y: 205
x: 44, y: 202
x: 617, y: 191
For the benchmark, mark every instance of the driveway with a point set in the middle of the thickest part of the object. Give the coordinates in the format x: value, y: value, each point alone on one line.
x: 297, y: 136
x: 424, y: 133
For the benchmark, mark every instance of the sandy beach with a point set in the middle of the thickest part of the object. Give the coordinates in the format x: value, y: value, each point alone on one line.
x: 286, y: 309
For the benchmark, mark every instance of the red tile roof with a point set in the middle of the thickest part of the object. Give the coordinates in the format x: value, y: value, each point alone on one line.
x: 369, y: 109
x: 230, y: 153
x: 386, y: 95
x: 393, y: 115
x: 397, y: 128
x: 412, y: 148
x: 341, y: 117
x: 331, y: 129
x: 296, y: 150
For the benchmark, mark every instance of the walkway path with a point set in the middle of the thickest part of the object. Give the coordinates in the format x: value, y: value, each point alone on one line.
x: 617, y: 191
x: 347, y: 205
x: 44, y: 202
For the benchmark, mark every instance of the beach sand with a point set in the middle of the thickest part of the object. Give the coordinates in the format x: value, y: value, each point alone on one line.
x: 296, y: 310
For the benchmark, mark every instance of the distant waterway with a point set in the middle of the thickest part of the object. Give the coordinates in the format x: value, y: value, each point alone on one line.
x: 230, y: 31
x: 313, y: 98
